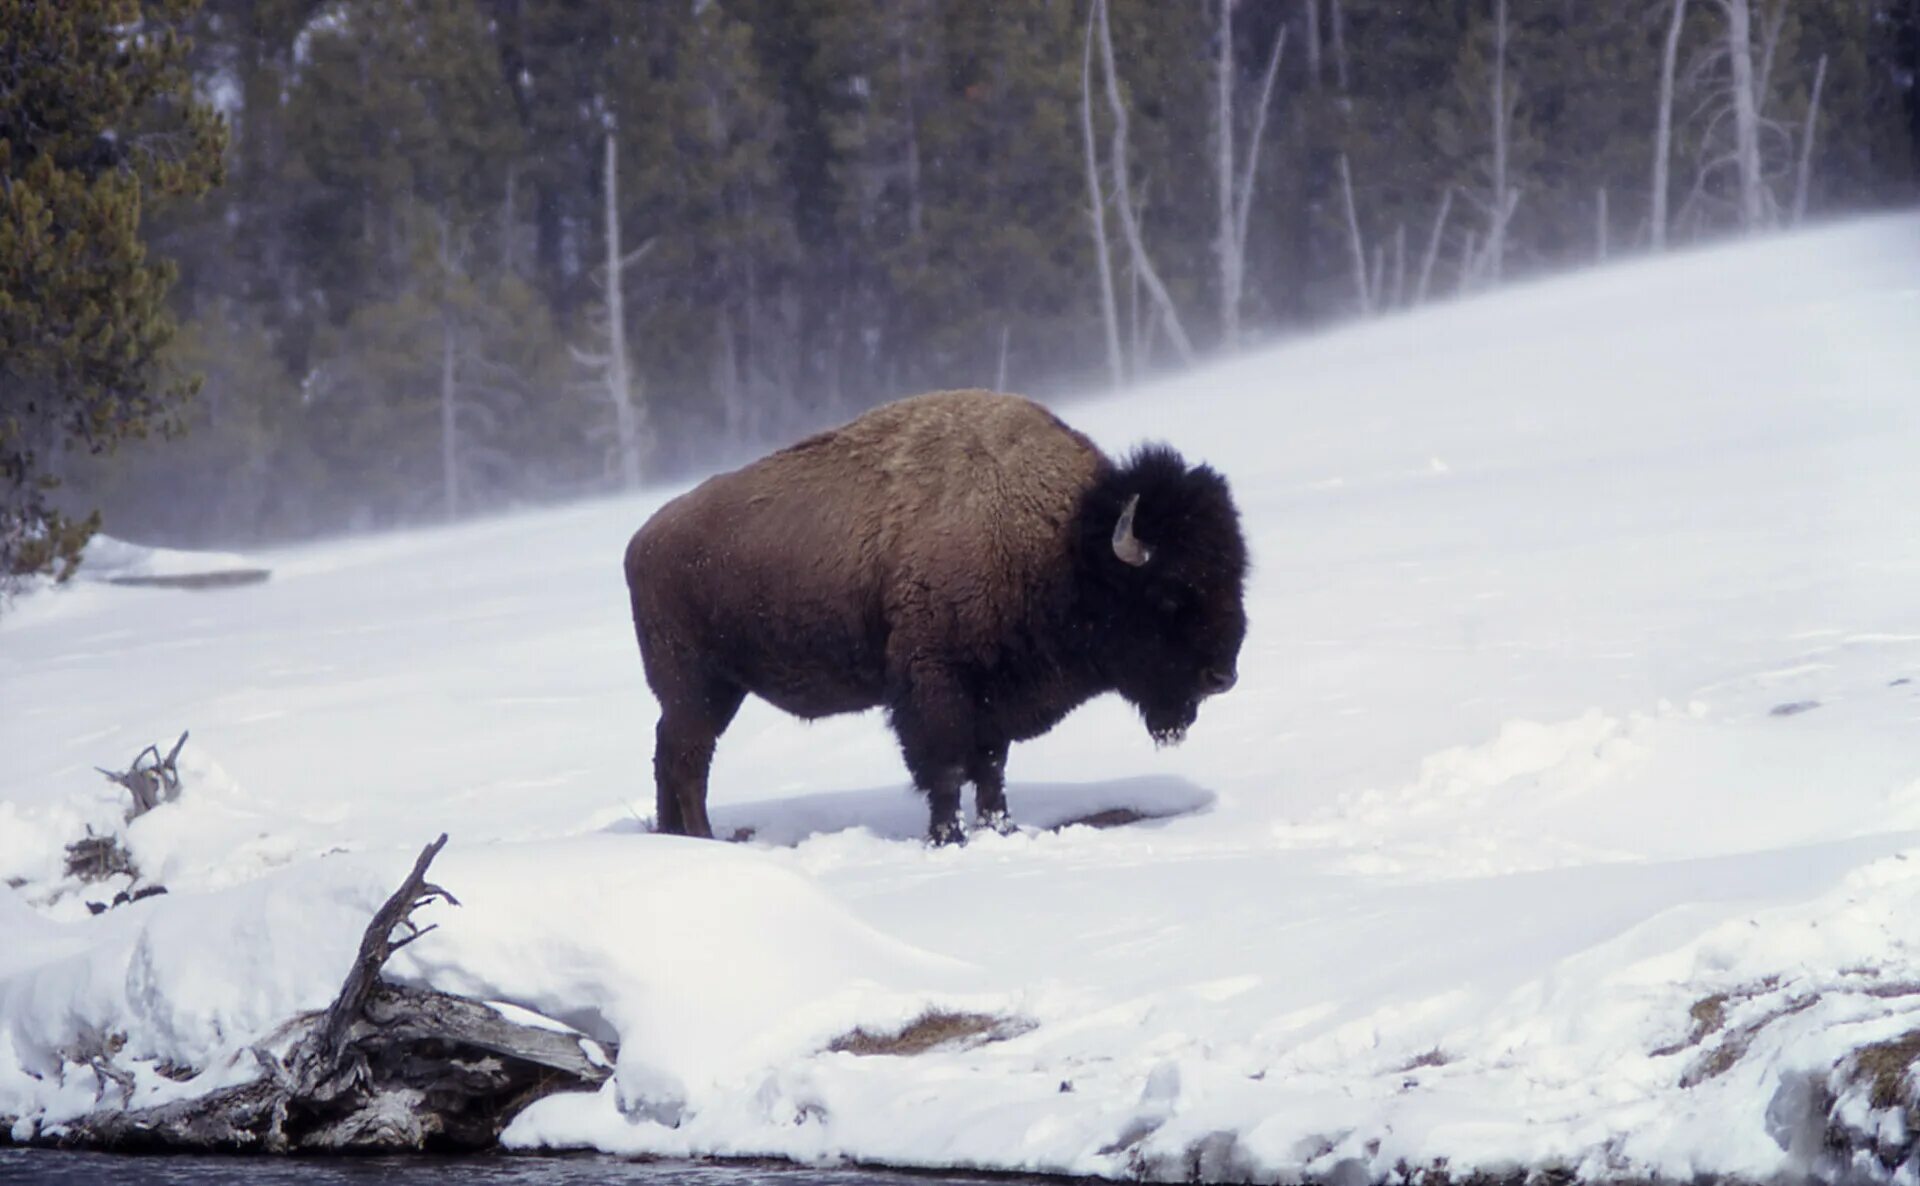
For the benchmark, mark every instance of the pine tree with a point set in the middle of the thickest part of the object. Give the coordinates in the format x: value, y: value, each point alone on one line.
x: 401, y: 121
x: 97, y: 119
x: 699, y: 180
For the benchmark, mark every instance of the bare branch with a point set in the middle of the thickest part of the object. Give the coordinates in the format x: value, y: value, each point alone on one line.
x: 1467, y: 258
x: 1769, y: 42
x: 1433, y: 247
x: 1245, y: 195
x: 635, y: 256
x: 1353, y: 239
x: 1505, y: 100
x: 318, y: 1059
x: 1806, y: 143
x: 1400, y: 265
x: 150, y: 779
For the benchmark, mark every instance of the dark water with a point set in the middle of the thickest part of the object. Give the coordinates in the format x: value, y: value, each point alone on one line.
x: 84, y: 1169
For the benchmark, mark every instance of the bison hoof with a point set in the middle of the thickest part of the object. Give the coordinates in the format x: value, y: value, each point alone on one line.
x: 947, y: 832
x: 998, y: 821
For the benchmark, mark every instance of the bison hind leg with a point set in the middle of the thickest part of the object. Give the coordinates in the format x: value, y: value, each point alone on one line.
x: 666, y: 802
x: 690, y: 727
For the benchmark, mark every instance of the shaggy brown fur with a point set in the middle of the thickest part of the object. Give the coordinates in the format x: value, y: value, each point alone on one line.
x: 949, y: 557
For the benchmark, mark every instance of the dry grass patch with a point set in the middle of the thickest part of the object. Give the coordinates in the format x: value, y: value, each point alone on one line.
x: 1435, y: 1057
x: 933, y: 1030
x: 1734, y: 1046
x: 1708, y: 1014
x: 1885, y: 1065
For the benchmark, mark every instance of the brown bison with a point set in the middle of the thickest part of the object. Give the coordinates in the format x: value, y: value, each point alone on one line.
x: 964, y: 559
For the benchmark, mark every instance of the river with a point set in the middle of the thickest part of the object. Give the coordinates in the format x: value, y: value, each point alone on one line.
x: 57, y: 1168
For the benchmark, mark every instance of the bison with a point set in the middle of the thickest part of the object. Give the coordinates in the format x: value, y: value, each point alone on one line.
x: 964, y: 559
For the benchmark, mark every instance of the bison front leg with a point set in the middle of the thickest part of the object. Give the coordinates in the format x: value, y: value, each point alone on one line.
x: 987, y: 770
x: 934, y: 721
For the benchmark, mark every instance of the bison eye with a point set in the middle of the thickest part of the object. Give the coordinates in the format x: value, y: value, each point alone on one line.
x: 1169, y: 605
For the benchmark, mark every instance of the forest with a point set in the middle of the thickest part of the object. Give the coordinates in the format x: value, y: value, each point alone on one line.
x: 366, y: 263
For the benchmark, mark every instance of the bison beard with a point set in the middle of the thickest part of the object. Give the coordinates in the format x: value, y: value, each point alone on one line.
x: 963, y: 559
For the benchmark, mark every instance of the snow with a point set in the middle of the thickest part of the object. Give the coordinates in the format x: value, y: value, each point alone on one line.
x: 1579, y: 702
x: 110, y: 559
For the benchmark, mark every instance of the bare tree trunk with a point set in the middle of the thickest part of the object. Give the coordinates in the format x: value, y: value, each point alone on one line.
x: 1497, y: 228
x: 915, y: 218
x: 449, y: 425
x: 626, y: 416
x: 1663, y: 127
x: 1224, y: 247
x: 449, y: 387
x: 1433, y: 247
x: 509, y: 203
x: 1746, y: 113
x: 1600, y: 226
x: 1236, y: 193
x: 1123, y: 194
x: 1468, y: 251
x: 1097, y: 214
x: 1769, y: 42
x: 1000, y: 372
x: 1353, y: 239
x: 1338, y: 22
x: 1313, y: 44
x: 1139, y: 327
x: 729, y: 382
x: 1244, y: 210
x: 1399, y: 299
x: 1806, y: 143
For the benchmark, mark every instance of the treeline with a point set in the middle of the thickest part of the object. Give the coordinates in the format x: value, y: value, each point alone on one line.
x: 400, y: 298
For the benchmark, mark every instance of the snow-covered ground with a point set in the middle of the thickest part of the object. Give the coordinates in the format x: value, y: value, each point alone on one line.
x: 1567, y: 813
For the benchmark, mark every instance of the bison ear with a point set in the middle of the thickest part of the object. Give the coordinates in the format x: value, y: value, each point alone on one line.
x: 1126, y: 545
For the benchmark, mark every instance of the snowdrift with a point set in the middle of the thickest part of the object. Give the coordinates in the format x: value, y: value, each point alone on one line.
x: 1567, y: 815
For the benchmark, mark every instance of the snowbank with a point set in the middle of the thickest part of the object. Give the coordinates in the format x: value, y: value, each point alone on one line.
x: 120, y: 562
x: 1567, y: 814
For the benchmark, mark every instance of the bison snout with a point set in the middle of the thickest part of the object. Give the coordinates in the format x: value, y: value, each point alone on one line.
x: 1219, y: 679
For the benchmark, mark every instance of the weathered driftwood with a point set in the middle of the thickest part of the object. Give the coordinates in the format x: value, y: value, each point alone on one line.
x: 151, y: 779
x: 224, y: 579
x: 384, y: 1068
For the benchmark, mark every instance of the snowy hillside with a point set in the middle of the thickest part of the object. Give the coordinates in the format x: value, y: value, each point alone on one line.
x: 1567, y: 813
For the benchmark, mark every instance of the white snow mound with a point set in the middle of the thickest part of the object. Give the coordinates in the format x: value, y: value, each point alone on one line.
x: 1567, y: 814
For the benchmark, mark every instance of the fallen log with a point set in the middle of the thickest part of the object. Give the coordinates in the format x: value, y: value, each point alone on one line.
x: 384, y: 1068
x: 227, y: 578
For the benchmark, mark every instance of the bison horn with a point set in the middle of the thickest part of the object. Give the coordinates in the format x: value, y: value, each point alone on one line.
x: 1126, y: 545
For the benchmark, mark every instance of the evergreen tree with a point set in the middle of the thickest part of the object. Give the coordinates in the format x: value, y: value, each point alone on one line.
x: 697, y: 123
x: 97, y: 118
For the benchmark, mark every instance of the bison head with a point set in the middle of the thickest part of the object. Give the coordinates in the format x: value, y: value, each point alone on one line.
x: 1163, y: 565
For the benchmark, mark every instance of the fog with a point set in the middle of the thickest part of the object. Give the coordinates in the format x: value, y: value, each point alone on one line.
x: 397, y: 302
